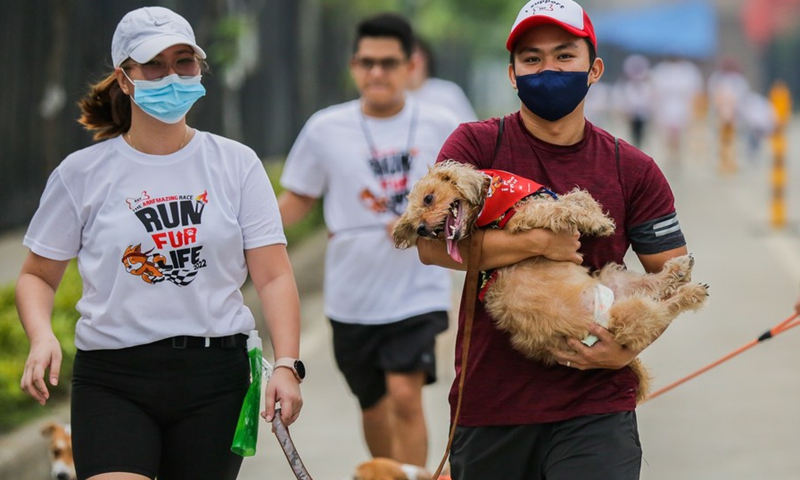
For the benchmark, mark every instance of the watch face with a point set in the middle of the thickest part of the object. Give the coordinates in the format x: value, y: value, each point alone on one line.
x: 300, y: 368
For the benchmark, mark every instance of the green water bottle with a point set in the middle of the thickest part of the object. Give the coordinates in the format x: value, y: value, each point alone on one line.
x: 244, y: 440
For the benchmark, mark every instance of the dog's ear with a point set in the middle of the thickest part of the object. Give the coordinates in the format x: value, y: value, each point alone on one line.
x: 472, y: 185
x: 404, y: 233
x: 48, y: 429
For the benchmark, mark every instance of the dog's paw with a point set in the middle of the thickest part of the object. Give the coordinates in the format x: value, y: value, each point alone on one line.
x: 587, y: 214
x: 679, y: 269
x: 604, y: 227
x: 404, y: 233
x: 691, y: 296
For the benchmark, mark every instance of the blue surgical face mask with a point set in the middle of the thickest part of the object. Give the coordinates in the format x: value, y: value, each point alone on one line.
x: 552, y: 95
x: 167, y: 99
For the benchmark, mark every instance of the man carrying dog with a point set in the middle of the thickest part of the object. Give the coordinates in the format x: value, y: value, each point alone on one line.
x: 385, y: 307
x: 575, y: 420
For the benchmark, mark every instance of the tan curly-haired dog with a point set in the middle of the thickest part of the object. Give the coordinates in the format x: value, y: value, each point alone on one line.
x: 381, y: 468
x: 541, y: 302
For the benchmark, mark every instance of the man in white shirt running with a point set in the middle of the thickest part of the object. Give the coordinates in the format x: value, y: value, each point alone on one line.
x: 384, y: 305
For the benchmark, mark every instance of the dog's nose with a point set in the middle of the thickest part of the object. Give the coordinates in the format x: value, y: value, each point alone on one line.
x: 62, y: 476
x: 422, y: 230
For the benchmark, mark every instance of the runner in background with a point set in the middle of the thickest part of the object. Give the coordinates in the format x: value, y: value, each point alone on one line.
x: 385, y: 307
x: 678, y: 87
x: 425, y: 87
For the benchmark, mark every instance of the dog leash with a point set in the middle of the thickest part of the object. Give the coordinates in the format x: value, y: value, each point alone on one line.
x: 281, y: 431
x: 287, y: 445
x: 470, y: 299
x: 777, y: 329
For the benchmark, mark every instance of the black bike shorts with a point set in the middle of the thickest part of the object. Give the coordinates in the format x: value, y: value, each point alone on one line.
x: 155, y: 410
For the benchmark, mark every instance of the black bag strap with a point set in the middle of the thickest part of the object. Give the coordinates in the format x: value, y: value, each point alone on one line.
x: 619, y: 173
x: 499, y: 139
x: 619, y: 167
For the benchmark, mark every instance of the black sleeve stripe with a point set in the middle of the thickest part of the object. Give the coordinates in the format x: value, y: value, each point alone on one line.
x: 657, y: 235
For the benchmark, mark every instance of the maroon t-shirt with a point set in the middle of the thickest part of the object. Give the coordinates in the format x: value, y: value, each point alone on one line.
x: 502, y: 387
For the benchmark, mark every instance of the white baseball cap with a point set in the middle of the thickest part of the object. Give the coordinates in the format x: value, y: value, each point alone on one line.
x: 145, y: 32
x: 564, y: 13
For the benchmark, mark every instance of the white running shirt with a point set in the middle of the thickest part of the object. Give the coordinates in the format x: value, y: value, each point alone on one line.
x: 446, y: 94
x: 367, y: 280
x: 160, y: 239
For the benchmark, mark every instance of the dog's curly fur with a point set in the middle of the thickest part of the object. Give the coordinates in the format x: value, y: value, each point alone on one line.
x: 541, y: 302
x: 381, y: 468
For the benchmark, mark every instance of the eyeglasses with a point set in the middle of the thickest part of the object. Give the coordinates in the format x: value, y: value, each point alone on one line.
x: 388, y: 64
x: 155, y: 69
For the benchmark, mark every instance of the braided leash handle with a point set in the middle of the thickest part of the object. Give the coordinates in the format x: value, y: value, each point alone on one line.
x: 281, y: 431
x: 287, y: 445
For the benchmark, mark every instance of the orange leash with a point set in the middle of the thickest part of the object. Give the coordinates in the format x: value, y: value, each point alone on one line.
x: 777, y: 329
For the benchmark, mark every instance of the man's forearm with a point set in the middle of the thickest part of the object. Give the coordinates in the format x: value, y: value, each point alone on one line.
x: 500, y: 249
x: 294, y: 207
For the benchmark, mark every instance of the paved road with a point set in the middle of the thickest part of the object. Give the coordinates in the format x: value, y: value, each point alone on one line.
x: 736, y: 422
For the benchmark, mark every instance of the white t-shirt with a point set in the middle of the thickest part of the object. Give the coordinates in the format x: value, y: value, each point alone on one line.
x: 676, y: 86
x: 447, y: 94
x: 727, y: 90
x: 160, y: 239
x: 367, y: 280
x: 635, y: 97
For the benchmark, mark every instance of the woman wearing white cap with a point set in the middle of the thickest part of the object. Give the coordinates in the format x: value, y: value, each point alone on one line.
x: 166, y: 222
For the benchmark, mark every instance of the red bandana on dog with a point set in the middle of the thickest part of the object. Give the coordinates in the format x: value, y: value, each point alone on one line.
x: 505, y: 190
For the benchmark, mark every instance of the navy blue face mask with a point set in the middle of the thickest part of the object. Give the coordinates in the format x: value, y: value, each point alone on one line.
x: 552, y: 95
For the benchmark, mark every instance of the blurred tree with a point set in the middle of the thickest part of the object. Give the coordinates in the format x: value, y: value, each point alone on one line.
x: 480, y: 25
x: 54, y: 96
x: 235, y: 52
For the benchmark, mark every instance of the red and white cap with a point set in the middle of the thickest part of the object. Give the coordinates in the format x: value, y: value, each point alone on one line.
x: 564, y: 13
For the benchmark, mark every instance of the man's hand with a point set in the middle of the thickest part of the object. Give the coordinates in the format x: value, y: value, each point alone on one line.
x: 606, y: 353
x: 560, y: 246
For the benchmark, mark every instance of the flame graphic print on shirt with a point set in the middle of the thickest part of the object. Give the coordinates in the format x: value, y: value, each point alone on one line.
x: 391, y: 170
x: 172, y: 222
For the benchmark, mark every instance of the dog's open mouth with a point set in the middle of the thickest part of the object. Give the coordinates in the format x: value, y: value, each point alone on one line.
x: 453, y: 230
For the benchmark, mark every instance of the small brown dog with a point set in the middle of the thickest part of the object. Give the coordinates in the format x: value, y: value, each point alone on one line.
x: 60, y: 448
x: 541, y: 302
x: 387, y: 469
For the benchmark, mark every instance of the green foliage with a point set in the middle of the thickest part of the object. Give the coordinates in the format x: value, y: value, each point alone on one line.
x: 481, y: 24
x: 224, y: 47
x: 311, y: 223
x: 17, y: 406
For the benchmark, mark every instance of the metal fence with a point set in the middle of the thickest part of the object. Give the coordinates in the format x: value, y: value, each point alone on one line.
x: 53, y: 49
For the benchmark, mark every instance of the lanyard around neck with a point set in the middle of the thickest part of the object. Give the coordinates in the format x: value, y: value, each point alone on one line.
x: 412, y: 128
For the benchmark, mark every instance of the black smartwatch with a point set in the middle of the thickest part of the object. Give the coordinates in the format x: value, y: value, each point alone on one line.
x: 296, y: 366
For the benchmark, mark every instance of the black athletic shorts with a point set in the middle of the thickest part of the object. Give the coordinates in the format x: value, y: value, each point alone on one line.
x: 593, y: 447
x: 365, y: 353
x: 158, y: 410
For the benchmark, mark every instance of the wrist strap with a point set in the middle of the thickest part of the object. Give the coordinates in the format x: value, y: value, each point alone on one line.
x: 288, y: 362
